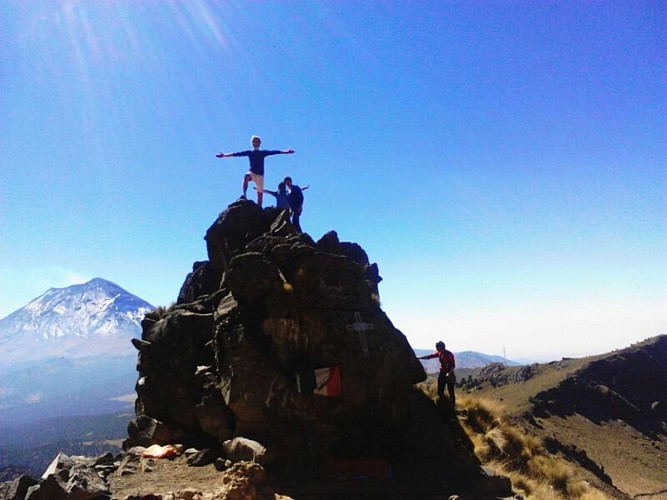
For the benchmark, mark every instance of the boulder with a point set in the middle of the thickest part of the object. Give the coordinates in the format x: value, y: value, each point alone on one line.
x: 199, y: 458
x: 203, y: 280
x: 241, y: 449
x: 70, y: 478
x: 242, y: 222
x: 278, y: 339
x: 145, y: 431
x: 16, y: 489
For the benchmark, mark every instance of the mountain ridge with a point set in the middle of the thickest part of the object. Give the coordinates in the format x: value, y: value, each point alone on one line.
x: 96, y: 317
x: 606, y: 414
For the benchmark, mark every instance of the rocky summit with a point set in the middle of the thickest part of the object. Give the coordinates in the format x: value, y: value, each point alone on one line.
x: 254, y: 326
x: 281, y: 339
x: 276, y: 371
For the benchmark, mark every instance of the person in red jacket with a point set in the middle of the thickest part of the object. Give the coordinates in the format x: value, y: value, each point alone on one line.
x: 447, y: 365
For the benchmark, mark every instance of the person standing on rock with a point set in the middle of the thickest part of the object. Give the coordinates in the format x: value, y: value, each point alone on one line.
x: 446, y: 375
x: 295, y: 199
x: 256, y: 157
x: 282, y: 197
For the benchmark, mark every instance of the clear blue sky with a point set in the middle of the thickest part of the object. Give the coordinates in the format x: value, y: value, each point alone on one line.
x: 504, y: 163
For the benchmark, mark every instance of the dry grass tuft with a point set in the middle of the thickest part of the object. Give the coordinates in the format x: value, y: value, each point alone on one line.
x: 158, y: 313
x: 520, y: 456
x: 429, y: 388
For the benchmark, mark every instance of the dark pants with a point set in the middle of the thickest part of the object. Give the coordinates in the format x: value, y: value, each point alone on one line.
x: 296, y: 214
x: 449, y: 380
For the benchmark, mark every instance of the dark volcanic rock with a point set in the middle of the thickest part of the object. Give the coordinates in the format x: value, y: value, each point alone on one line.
x: 237, y: 355
x: 203, y: 280
x: 67, y: 478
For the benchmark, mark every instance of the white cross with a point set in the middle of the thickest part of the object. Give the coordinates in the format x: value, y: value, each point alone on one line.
x: 361, y: 327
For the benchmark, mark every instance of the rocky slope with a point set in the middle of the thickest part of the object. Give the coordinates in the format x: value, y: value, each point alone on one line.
x: 258, y: 331
x: 606, y: 414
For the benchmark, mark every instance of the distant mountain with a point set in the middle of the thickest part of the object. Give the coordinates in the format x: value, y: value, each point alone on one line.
x: 464, y: 359
x: 68, y: 352
x: 95, y: 318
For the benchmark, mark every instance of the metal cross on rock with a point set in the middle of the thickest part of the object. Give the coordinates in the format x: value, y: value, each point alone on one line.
x: 361, y: 327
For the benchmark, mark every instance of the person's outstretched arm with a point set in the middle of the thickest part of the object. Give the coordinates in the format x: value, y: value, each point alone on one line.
x: 305, y: 187
x: 229, y: 155
x: 279, y: 152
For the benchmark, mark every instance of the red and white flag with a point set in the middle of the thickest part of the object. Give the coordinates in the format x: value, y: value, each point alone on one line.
x: 327, y: 381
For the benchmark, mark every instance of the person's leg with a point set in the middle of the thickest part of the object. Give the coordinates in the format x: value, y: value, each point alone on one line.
x: 259, y: 182
x: 451, y: 385
x: 295, y: 219
x: 441, y: 384
x: 246, y: 179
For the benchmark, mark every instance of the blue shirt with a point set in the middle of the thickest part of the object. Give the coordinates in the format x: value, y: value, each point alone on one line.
x: 256, y: 157
x: 281, y: 198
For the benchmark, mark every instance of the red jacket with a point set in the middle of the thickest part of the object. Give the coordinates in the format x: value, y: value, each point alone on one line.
x: 447, y: 363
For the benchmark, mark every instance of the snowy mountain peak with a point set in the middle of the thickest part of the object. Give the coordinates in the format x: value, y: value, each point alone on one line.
x: 67, y: 321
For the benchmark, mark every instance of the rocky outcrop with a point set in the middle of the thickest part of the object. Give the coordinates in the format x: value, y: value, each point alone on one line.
x: 254, y: 327
x: 276, y: 355
x: 68, y: 477
x: 107, y: 477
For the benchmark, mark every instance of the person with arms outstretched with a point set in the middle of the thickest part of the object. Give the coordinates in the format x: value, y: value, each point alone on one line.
x: 282, y: 198
x: 295, y: 199
x: 446, y: 375
x: 256, y: 157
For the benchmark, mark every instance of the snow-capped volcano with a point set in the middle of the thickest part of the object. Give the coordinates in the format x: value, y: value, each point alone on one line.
x: 97, y: 317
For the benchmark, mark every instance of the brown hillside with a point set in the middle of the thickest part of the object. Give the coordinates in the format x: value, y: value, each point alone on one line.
x: 605, y: 414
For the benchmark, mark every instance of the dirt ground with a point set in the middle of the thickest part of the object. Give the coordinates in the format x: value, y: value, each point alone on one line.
x: 175, y: 479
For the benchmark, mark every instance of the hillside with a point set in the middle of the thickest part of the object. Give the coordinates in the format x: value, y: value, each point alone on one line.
x: 606, y: 414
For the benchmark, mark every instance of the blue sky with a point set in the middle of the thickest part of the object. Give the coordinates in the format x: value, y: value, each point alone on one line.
x: 504, y: 162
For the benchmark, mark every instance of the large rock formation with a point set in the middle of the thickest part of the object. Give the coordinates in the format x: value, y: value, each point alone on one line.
x: 276, y: 357
x: 257, y: 332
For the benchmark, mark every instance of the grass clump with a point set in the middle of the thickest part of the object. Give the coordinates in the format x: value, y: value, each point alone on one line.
x: 520, y: 456
x: 158, y: 313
